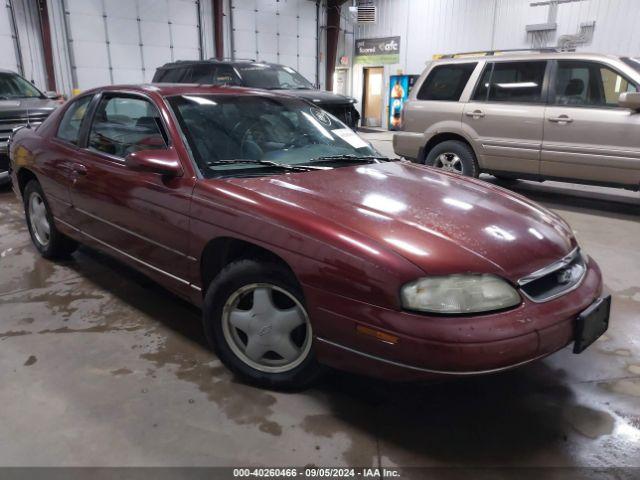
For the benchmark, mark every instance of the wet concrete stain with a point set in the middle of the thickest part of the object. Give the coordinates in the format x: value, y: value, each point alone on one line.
x: 589, y: 422
x: 635, y: 369
x: 30, y: 361
x: 13, y: 333
x: 121, y: 371
x: 194, y: 366
x: 624, y: 386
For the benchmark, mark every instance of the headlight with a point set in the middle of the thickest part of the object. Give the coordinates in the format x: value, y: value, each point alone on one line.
x: 453, y: 294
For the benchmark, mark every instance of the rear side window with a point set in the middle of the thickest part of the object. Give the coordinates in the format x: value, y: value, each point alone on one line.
x: 589, y: 84
x: 226, y: 75
x: 446, y: 82
x: 123, y: 125
x: 200, y: 74
x: 173, y: 75
x: 516, y: 82
x: 69, y: 128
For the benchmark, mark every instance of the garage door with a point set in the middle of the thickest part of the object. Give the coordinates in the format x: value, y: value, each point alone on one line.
x: 124, y: 41
x: 7, y: 41
x: 280, y: 32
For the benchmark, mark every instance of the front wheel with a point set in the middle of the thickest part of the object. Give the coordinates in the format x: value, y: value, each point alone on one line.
x: 256, y: 320
x: 454, y: 156
x: 45, y: 236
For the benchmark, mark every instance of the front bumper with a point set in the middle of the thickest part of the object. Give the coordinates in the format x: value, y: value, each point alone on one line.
x: 431, y: 346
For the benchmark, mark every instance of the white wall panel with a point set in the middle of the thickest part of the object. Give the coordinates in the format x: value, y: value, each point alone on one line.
x: 124, y: 41
x: 278, y: 31
x: 8, y: 58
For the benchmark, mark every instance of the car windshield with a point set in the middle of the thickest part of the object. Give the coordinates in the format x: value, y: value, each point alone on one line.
x: 231, y: 135
x: 14, y: 86
x: 271, y: 77
x: 633, y: 62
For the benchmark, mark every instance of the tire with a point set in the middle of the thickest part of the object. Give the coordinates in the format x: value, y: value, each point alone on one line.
x: 249, y: 309
x: 454, y: 156
x: 45, y: 236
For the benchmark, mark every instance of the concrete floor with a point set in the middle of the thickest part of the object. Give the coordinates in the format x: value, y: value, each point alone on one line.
x: 100, y: 367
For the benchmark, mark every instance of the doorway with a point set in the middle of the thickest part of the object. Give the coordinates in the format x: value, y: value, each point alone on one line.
x: 372, y: 95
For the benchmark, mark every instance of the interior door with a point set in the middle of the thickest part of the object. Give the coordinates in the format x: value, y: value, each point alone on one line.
x: 141, y: 215
x: 505, y: 116
x: 373, y: 89
x: 586, y: 135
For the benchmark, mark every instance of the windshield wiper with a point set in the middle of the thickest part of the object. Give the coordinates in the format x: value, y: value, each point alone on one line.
x: 269, y: 163
x: 353, y: 158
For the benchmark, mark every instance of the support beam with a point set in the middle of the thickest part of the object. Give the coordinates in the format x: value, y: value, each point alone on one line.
x: 333, y: 33
x: 218, y: 22
x: 45, y: 32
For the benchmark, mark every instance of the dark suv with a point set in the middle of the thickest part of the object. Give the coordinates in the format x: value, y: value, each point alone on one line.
x: 20, y: 103
x: 269, y: 76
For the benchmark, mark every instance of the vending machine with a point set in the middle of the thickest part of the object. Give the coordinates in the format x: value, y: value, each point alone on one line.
x: 399, y: 88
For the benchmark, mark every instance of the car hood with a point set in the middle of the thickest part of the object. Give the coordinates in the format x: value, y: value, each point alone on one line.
x: 22, y: 105
x: 442, y: 223
x: 318, y: 96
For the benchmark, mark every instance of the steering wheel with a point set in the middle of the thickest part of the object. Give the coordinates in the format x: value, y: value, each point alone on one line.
x: 300, y: 140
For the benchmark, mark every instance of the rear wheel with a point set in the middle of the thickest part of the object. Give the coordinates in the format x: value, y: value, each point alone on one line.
x: 255, y: 318
x: 45, y: 236
x: 454, y: 156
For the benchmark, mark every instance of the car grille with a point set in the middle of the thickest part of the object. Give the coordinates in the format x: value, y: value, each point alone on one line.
x: 556, y: 279
x: 17, y: 119
x: 345, y: 113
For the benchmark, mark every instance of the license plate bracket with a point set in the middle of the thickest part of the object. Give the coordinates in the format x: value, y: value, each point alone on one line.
x: 592, y: 323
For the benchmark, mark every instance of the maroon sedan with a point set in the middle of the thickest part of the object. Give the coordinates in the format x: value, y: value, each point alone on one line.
x: 302, y: 244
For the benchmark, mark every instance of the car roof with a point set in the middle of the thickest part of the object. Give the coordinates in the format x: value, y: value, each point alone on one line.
x: 533, y: 56
x: 169, y: 89
x: 4, y: 70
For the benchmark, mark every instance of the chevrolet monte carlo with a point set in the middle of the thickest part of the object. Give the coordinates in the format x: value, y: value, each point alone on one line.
x: 302, y: 245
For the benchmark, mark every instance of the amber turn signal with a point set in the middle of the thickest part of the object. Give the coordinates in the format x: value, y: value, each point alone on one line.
x: 377, y: 334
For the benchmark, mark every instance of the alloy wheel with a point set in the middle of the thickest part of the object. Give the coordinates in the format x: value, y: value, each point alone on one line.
x: 38, y: 219
x: 267, y: 328
x: 449, y: 162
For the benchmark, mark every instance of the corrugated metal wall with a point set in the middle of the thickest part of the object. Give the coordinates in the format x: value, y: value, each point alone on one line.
x: 429, y: 27
x: 22, y: 52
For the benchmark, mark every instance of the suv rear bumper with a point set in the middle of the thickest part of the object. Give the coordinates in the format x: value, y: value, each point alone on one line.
x: 408, y: 145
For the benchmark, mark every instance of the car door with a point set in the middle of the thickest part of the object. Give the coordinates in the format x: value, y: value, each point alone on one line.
x: 57, y: 160
x: 504, y: 116
x: 587, y: 136
x: 141, y: 215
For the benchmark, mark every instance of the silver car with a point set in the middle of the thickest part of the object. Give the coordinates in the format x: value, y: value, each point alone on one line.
x: 20, y: 103
x: 539, y: 115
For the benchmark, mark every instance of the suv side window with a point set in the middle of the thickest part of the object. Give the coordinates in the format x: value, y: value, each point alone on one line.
x: 173, y: 75
x: 589, y: 84
x: 446, y: 82
x: 515, y: 82
x: 225, y: 75
x: 123, y: 125
x: 202, y: 73
x: 69, y: 128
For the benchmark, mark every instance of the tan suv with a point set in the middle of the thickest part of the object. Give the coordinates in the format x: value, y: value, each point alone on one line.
x: 541, y: 116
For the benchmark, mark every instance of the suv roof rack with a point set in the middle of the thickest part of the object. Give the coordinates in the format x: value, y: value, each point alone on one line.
x: 224, y: 59
x: 489, y: 53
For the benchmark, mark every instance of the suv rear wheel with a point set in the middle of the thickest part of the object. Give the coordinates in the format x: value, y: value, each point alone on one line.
x: 454, y: 156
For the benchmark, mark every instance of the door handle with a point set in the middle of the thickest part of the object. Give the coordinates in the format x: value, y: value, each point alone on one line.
x: 79, y: 169
x: 475, y: 114
x: 561, y: 119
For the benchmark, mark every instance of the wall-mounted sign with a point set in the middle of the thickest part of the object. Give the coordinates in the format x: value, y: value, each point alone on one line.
x: 375, y: 51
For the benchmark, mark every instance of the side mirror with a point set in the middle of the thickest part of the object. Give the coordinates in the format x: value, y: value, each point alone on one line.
x: 51, y: 95
x: 163, y: 162
x: 630, y: 100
